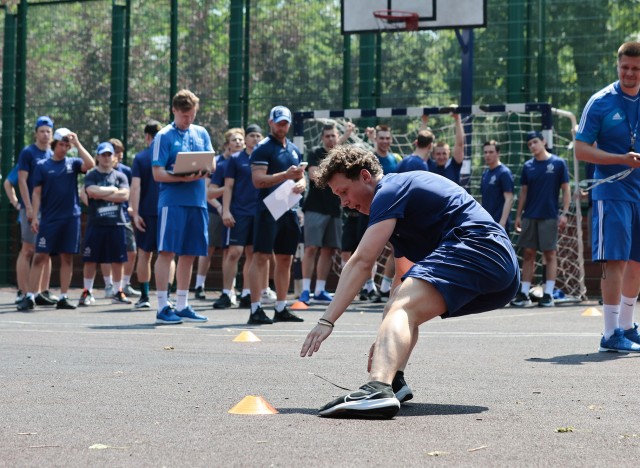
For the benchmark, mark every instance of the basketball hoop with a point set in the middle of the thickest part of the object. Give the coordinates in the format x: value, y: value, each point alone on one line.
x: 390, y: 19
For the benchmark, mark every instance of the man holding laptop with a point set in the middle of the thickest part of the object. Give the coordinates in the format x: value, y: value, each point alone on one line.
x: 182, y: 202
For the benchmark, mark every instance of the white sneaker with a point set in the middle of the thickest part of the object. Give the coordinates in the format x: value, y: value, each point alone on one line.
x: 108, y: 291
x: 268, y: 296
x: 234, y: 299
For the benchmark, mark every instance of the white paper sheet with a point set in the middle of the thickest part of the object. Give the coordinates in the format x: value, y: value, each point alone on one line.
x: 282, y: 199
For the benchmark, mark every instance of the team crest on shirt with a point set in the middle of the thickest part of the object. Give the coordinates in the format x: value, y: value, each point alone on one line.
x: 550, y: 168
x: 42, y: 243
x: 69, y: 168
x: 295, y: 154
x: 492, y: 180
x: 87, y: 252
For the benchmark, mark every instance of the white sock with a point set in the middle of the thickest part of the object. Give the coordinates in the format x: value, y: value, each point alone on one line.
x: 370, y: 285
x: 280, y: 305
x: 627, y: 306
x: 525, y: 286
x: 200, y: 279
x: 182, y: 299
x: 320, y: 285
x: 162, y: 300
x: 227, y: 292
x: 126, y: 279
x: 88, y: 283
x: 611, y: 319
x: 255, y: 306
x: 549, y: 287
x: 117, y: 286
x: 245, y: 292
x: 306, y: 284
x: 108, y: 280
x: 385, y: 285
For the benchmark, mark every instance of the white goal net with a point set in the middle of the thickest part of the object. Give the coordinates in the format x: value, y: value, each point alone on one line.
x: 508, y: 125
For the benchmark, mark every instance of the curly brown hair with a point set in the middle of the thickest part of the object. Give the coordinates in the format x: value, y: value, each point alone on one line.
x: 348, y: 160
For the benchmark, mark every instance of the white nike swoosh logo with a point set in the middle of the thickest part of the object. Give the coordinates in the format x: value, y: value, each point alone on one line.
x: 349, y: 398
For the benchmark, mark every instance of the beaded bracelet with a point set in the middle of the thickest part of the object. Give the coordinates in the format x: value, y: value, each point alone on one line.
x: 325, y: 322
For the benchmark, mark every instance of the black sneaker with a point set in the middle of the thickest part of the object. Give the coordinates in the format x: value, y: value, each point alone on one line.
x: 245, y: 302
x: 400, y: 388
x: 364, y: 295
x: 42, y: 300
x: 259, y: 318
x: 373, y: 400
x: 64, y: 304
x: 51, y: 297
x: 120, y: 298
x: 380, y: 297
x: 546, y: 301
x: 521, y: 300
x: 19, y: 296
x: 223, y: 302
x: 200, y: 295
x: 374, y: 296
x: 26, y: 304
x: 286, y: 316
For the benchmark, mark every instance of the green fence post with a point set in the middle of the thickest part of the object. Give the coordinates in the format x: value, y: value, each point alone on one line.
x: 516, y: 52
x: 117, y: 69
x: 346, y: 71
x: 173, y: 60
x: 8, y: 133
x: 366, y: 75
x: 235, y: 64
x: 21, y: 77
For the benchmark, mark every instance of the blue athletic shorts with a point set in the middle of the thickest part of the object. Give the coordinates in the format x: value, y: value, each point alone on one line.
x: 241, y: 233
x: 148, y: 240
x: 615, y: 230
x: 183, y: 230
x: 60, y: 236
x: 280, y: 237
x: 105, y: 244
x: 473, y: 272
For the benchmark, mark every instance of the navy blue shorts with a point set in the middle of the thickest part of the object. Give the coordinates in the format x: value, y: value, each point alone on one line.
x: 280, y: 237
x: 241, y: 233
x: 148, y: 240
x: 59, y: 236
x: 182, y: 230
x: 473, y: 272
x: 105, y: 244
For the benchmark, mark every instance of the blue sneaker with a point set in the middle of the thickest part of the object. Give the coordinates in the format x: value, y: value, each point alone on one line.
x: 188, y: 315
x: 305, y: 296
x: 167, y: 316
x: 618, y: 343
x: 632, y: 334
x: 324, y: 296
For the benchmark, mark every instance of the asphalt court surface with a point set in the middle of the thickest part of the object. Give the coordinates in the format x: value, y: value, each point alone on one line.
x: 103, y: 385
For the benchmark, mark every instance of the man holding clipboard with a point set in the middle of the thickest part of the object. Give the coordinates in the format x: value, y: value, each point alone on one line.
x: 275, y: 160
x: 182, y: 202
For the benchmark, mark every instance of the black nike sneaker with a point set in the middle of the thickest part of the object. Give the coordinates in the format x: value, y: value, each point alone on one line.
x: 374, y: 400
x: 400, y: 388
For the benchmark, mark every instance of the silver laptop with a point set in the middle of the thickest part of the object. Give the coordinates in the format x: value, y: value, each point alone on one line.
x: 190, y: 162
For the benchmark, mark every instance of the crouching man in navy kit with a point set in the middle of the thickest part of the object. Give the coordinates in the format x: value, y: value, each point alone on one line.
x: 452, y: 259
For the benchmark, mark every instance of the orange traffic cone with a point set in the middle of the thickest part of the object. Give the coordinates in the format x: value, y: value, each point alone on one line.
x: 253, y: 405
x: 299, y: 305
x: 591, y: 312
x: 246, y: 337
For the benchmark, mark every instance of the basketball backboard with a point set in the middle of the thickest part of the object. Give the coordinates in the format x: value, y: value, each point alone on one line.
x: 358, y: 17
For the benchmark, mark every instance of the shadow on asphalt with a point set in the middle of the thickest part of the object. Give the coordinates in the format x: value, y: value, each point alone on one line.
x: 580, y: 359
x: 409, y: 409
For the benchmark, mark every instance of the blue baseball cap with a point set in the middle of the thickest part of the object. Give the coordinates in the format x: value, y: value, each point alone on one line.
x: 534, y: 134
x: 44, y: 121
x: 280, y: 113
x: 105, y: 147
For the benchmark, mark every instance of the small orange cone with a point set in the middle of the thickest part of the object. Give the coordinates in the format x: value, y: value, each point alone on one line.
x: 246, y: 337
x: 299, y: 305
x: 253, y: 405
x: 591, y: 312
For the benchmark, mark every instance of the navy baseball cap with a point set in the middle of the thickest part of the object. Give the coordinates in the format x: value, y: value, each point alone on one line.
x: 534, y: 134
x: 253, y: 128
x: 280, y: 113
x: 44, y: 121
x: 105, y: 147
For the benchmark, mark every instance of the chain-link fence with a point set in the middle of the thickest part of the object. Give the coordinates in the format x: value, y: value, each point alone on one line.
x: 103, y: 67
